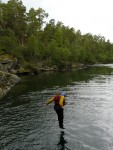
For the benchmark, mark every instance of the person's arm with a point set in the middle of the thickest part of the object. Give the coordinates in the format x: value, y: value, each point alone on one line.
x: 50, y: 100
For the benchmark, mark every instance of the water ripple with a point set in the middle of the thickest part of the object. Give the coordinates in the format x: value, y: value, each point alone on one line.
x: 26, y: 123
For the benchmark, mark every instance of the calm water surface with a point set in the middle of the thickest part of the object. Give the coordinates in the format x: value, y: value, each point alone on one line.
x: 26, y: 123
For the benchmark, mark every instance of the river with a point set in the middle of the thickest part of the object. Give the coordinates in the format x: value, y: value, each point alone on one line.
x: 27, y: 123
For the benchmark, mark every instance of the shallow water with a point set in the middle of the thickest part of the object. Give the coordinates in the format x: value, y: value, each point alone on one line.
x: 26, y: 123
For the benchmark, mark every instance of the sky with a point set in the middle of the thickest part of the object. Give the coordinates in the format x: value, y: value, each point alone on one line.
x: 88, y: 16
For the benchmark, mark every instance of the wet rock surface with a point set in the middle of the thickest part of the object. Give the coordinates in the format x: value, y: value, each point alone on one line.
x: 7, y: 77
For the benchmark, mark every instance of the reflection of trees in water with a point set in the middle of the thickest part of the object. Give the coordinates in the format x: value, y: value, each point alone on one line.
x: 62, y: 141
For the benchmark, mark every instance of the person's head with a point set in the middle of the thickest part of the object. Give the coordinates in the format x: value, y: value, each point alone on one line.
x: 63, y: 94
x: 57, y: 93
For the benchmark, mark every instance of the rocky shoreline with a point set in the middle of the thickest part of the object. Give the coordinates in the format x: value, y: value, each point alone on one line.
x: 7, y: 79
x: 10, y: 69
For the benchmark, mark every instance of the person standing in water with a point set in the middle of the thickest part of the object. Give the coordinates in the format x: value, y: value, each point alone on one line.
x: 59, y: 102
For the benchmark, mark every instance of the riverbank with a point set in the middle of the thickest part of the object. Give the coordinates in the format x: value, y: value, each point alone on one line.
x: 40, y: 68
x: 8, y: 78
x: 11, y: 69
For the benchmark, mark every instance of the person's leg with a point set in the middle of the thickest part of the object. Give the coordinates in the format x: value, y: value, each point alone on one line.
x: 61, y: 118
x: 59, y: 112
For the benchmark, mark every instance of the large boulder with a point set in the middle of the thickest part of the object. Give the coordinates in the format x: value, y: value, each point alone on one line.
x: 7, y: 73
x: 7, y: 63
x: 7, y: 80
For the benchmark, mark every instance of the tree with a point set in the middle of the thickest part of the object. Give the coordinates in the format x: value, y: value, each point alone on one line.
x: 14, y: 18
x: 8, y: 42
x: 35, y: 20
x: 31, y: 54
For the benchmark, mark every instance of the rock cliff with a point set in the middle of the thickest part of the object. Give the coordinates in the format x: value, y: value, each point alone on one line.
x: 7, y: 78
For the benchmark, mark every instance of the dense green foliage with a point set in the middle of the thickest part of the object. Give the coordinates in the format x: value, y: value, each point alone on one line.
x: 28, y: 37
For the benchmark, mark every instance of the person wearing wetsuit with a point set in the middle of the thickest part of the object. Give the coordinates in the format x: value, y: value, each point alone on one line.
x: 59, y: 102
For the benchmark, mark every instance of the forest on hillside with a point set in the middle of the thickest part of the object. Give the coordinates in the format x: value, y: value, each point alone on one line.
x: 27, y: 36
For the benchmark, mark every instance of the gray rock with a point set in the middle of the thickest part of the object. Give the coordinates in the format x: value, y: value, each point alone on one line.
x: 7, y: 81
x: 7, y: 73
x: 7, y: 62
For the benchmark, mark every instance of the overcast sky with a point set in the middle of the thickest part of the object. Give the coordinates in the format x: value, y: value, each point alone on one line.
x: 88, y: 16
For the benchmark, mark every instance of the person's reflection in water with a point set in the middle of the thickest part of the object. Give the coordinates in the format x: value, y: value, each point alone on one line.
x: 62, y: 141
